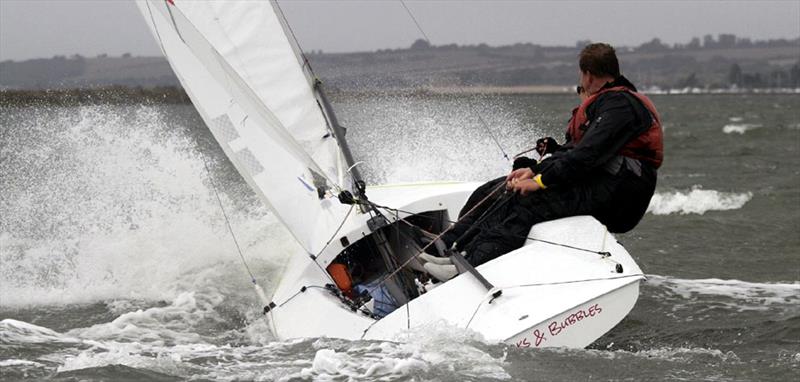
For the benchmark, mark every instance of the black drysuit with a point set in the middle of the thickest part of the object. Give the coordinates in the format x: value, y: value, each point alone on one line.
x: 584, y: 178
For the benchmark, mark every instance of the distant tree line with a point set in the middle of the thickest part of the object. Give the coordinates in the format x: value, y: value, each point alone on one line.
x: 721, y: 62
x: 776, y: 78
x: 722, y: 41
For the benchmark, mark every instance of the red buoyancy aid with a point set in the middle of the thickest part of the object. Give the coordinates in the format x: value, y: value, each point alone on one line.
x: 648, y: 146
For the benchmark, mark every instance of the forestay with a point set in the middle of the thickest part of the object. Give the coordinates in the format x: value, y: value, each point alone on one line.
x: 244, y: 77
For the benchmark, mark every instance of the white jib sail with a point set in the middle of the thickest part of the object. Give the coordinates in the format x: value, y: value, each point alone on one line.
x: 243, y: 76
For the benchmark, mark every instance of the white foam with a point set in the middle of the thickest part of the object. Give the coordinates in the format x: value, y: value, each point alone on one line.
x: 735, y: 119
x: 19, y: 362
x: 739, y: 128
x: 679, y: 354
x: 696, y: 201
x: 162, y: 363
x: 435, y: 346
x: 20, y: 332
x: 747, y: 295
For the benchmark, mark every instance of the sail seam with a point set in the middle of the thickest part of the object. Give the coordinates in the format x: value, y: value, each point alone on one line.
x: 262, y: 109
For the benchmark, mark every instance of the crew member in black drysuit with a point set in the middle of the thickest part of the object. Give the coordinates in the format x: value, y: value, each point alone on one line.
x: 607, y: 168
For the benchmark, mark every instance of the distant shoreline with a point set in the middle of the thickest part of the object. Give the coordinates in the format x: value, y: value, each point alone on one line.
x: 176, y: 95
x: 115, y: 95
x: 559, y: 89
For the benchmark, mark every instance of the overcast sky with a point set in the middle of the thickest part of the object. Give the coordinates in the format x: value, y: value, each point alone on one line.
x: 44, y: 28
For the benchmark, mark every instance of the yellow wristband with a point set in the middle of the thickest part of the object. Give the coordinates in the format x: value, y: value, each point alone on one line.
x: 538, y: 180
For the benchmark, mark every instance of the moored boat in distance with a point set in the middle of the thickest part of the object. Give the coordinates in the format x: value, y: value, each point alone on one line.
x: 359, y: 274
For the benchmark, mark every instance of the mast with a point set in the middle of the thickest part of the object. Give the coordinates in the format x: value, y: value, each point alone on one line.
x: 339, y: 132
x: 378, y: 222
x: 336, y: 130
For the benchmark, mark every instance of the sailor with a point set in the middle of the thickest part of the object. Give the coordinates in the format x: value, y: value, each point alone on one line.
x: 607, y: 168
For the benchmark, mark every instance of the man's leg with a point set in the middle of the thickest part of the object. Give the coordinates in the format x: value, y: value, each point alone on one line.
x: 480, y: 201
x: 525, y: 211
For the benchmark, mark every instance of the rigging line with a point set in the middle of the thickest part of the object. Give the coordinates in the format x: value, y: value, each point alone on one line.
x: 488, y: 130
x: 575, y: 281
x: 364, y: 333
x: 227, y: 221
x: 155, y: 28
x: 604, y: 255
x: 494, y: 207
x: 314, y: 79
x: 335, y: 233
x: 405, y: 263
x: 475, y: 313
x: 524, y: 152
x: 477, y: 308
x: 306, y: 62
x: 304, y: 288
x: 517, y: 236
x: 459, y: 87
x: 344, y: 220
x: 415, y: 22
x: 314, y: 257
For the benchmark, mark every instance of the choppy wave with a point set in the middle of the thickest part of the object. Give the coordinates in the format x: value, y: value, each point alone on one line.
x: 431, y: 349
x: 739, y: 128
x: 696, y: 201
x: 434, y: 351
x: 671, y: 354
x: 18, y: 362
x: 742, y: 295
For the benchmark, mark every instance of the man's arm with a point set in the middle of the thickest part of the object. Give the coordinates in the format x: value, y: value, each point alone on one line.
x: 616, y: 121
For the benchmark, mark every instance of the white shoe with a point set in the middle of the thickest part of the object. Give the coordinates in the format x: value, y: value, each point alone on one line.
x: 435, y: 259
x: 441, y: 272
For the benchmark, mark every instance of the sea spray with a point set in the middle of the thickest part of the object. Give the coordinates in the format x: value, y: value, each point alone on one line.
x: 114, y: 206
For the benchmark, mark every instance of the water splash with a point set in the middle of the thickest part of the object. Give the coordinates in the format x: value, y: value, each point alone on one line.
x: 109, y: 202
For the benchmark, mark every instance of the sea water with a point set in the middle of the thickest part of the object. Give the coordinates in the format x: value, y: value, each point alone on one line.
x: 116, y: 262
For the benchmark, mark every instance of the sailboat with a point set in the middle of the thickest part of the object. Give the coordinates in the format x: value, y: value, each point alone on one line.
x: 358, y: 274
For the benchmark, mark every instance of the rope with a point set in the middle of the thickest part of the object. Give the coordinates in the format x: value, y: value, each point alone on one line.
x: 485, y: 198
x: 415, y: 22
x: 459, y: 87
x: 499, y: 202
x: 227, y: 221
x: 602, y: 253
x: 335, y: 233
x: 306, y: 63
x: 574, y: 281
x: 477, y: 308
x: 303, y: 289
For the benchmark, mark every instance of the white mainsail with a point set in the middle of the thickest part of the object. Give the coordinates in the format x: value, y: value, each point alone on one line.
x: 243, y: 75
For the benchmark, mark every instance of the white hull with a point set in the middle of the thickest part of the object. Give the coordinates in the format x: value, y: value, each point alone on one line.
x: 241, y: 70
x: 551, y: 295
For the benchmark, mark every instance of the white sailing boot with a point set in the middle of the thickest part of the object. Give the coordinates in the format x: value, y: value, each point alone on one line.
x: 434, y: 259
x: 441, y: 272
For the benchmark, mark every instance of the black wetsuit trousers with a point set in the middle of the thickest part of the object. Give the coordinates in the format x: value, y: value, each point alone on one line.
x: 503, y: 220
